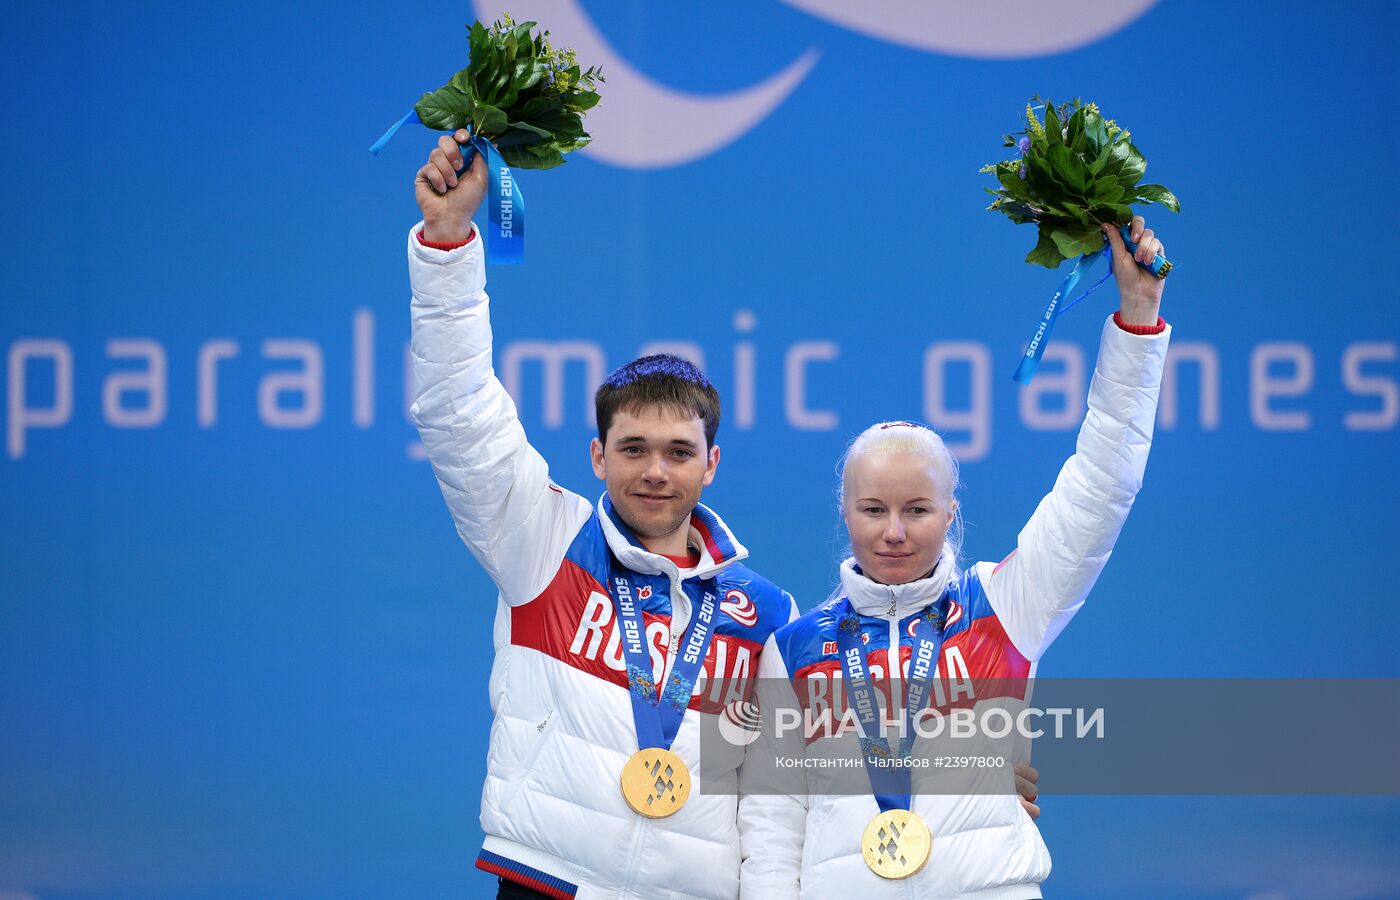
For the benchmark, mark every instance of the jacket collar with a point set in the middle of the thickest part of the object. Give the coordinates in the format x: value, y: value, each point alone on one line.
x: 708, y: 533
x: 869, y: 598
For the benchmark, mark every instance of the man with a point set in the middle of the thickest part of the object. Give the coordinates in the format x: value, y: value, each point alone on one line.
x: 553, y: 807
x: 599, y: 603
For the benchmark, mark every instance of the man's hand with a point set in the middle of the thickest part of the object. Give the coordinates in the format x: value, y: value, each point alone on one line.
x: 1140, y: 291
x: 1026, y: 779
x: 448, y: 203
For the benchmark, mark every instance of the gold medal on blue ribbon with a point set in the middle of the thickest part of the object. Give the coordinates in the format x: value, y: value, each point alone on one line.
x: 655, y: 782
x: 896, y: 844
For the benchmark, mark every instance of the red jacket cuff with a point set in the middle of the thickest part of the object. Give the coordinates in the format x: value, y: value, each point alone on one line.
x: 1160, y: 327
x: 445, y: 245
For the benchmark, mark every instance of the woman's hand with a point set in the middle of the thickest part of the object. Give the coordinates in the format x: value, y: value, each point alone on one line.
x: 1140, y: 291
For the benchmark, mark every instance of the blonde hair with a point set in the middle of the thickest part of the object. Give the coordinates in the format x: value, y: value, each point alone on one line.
x: 893, y: 438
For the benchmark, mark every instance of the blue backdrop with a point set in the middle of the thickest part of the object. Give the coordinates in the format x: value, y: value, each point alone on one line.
x: 242, y: 652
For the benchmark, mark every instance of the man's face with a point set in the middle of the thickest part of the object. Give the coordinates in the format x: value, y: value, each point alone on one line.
x: 655, y: 464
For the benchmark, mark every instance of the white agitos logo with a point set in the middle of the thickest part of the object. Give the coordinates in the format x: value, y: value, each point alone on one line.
x: 642, y: 124
x: 988, y: 29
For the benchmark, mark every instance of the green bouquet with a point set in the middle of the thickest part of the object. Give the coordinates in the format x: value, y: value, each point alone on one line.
x: 1075, y: 171
x: 519, y: 93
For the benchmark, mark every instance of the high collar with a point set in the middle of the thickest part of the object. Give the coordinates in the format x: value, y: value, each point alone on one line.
x: 708, y: 533
x: 870, y: 598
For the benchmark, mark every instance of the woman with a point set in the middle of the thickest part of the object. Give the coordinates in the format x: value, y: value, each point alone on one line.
x: 815, y: 836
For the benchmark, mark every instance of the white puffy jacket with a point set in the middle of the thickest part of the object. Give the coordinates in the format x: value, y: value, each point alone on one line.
x: 551, y: 807
x: 806, y: 842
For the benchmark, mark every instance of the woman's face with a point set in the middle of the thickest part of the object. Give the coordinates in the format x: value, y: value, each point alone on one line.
x: 897, y: 515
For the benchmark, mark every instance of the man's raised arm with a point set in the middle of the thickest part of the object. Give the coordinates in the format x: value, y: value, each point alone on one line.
x: 516, y: 522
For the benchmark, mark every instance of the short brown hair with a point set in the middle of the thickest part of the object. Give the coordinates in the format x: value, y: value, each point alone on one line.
x: 659, y: 380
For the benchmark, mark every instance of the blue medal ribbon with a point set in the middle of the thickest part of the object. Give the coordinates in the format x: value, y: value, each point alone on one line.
x: 506, y: 204
x: 658, y: 716
x: 891, y: 784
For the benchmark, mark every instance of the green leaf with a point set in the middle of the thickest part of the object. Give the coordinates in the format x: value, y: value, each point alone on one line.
x: 1067, y: 169
x: 532, y: 129
x: 1077, y: 241
x: 1095, y: 133
x: 532, y: 157
x: 583, y: 101
x: 1156, y: 193
x: 462, y: 81
x: 500, y: 75
x: 538, y: 107
x: 1074, y: 130
x: 1053, y: 133
x: 488, y: 121
x: 521, y: 134
x: 477, y: 41
x: 534, y: 76
x: 1105, y: 190
x: 1054, y: 128
x: 482, y: 52
x: 525, y: 45
x: 486, y: 66
x: 1017, y: 211
x: 1045, y: 253
x: 445, y: 109
x: 1077, y: 212
x: 1112, y: 213
x: 1132, y: 168
x: 1041, y: 178
x: 1111, y: 162
x: 1014, y: 186
x: 557, y: 120
x: 516, y: 80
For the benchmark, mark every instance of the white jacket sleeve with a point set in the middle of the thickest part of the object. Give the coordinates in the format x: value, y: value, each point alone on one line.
x: 772, y: 800
x: 516, y: 522
x: 1063, y: 548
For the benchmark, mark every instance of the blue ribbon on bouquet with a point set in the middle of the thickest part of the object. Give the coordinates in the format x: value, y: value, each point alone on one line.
x: 506, y: 204
x: 1030, y: 360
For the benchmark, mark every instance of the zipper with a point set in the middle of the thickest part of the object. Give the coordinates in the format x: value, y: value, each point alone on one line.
x: 897, y: 695
x: 892, y: 662
x: 680, y: 618
x: 643, y: 825
x: 540, y: 727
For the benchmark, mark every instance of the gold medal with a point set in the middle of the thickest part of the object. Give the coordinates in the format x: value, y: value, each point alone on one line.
x: 655, y: 783
x: 896, y: 844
